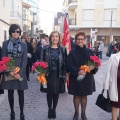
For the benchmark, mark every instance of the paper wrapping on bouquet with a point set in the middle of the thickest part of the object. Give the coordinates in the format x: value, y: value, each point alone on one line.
x: 7, y: 75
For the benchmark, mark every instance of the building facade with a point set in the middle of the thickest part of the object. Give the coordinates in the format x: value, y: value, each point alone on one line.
x: 31, y: 15
x: 12, y: 13
x: 102, y: 17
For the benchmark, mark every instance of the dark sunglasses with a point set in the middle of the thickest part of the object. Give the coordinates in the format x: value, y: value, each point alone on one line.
x: 15, y: 31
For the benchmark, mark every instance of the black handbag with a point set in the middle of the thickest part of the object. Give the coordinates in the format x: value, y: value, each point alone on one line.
x: 104, y: 103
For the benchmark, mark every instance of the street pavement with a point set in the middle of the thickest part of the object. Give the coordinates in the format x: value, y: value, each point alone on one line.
x: 36, y: 105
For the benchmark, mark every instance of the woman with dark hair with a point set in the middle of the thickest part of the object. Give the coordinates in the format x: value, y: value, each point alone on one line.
x: 33, y: 42
x: 18, y: 50
x: 80, y: 90
x: 112, y: 83
x: 55, y: 55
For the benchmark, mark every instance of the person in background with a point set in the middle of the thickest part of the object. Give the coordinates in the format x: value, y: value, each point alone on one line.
x: 42, y: 36
x: 33, y: 42
x: 55, y: 55
x: 13, y: 47
x: 96, y: 46
x: 112, y: 83
x: 39, y: 49
x: 29, y: 56
x: 80, y: 89
x: 72, y: 40
x: 100, y: 49
x: 47, y: 39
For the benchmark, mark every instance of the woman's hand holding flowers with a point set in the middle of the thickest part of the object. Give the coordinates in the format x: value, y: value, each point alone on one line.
x: 82, y: 72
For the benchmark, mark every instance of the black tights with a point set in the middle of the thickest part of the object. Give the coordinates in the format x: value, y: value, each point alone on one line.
x: 52, y: 98
x: 11, y: 100
x: 80, y: 99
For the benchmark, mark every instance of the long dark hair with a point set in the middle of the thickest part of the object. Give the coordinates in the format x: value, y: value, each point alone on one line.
x: 50, y: 37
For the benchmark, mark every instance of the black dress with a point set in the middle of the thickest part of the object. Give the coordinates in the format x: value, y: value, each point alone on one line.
x: 55, y: 85
x: 77, y: 57
x: 117, y: 104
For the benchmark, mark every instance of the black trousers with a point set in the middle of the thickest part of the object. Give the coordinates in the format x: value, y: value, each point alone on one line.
x: 28, y: 67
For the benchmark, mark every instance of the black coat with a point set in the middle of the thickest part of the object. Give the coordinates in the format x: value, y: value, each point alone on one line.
x: 77, y: 57
x: 55, y: 79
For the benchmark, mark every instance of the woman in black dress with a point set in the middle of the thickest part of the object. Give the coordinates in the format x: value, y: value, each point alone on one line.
x: 55, y: 55
x: 77, y: 57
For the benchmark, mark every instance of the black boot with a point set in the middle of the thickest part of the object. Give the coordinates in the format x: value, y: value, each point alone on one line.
x: 83, y: 116
x: 22, y: 117
x: 12, y: 116
x: 49, y: 113
x: 53, y: 114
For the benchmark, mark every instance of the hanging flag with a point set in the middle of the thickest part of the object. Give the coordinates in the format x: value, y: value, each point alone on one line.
x: 66, y: 41
x: 66, y: 37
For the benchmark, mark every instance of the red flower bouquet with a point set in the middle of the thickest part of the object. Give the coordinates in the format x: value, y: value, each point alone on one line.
x: 9, y: 66
x: 94, y: 61
x: 40, y: 68
x: 3, y: 66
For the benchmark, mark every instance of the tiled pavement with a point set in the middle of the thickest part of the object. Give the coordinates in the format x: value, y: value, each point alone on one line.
x: 36, y: 106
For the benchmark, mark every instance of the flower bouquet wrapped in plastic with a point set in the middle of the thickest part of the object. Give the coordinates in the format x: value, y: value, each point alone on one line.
x: 40, y: 68
x: 94, y: 61
x: 9, y: 66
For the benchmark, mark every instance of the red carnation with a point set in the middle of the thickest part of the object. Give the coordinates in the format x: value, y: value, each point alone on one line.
x: 36, y: 64
x: 5, y: 59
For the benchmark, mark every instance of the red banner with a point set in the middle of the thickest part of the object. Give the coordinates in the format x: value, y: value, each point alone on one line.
x: 66, y: 37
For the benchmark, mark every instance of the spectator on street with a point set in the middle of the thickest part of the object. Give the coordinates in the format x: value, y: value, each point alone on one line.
x: 100, y: 49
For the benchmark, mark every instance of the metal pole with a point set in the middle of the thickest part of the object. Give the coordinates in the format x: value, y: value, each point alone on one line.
x: 111, y: 26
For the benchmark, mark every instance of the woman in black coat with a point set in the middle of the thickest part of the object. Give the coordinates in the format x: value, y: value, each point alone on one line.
x: 77, y: 57
x: 55, y: 55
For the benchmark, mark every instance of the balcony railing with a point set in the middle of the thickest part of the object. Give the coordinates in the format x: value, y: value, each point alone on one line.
x: 72, y: 21
x: 72, y: 1
x: 16, y: 14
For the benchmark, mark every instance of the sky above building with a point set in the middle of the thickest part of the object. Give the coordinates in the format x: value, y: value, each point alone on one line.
x: 47, y: 17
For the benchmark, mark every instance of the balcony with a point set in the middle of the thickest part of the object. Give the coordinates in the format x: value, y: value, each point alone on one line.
x: 16, y: 17
x: 72, y: 4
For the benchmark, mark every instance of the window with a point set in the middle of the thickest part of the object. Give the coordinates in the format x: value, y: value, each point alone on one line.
x: 108, y: 13
x: 4, y: 3
x: 88, y: 15
x: 5, y: 35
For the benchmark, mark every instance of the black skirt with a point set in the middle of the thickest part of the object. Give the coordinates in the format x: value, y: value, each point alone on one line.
x: 55, y: 85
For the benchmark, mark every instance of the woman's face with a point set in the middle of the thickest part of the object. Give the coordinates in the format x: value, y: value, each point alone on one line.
x: 34, y: 41
x: 80, y: 40
x: 23, y: 39
x: 16, y: 33
x: 55, y: 38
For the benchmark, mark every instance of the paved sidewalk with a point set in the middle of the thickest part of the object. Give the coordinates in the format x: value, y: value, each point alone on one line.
x: 36, y: 105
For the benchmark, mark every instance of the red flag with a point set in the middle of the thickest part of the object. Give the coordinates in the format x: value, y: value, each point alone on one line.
x: 66, y: 37
x: 66, y: 41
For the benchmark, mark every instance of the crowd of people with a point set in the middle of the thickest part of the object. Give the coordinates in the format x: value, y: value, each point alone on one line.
x: 26, y: 51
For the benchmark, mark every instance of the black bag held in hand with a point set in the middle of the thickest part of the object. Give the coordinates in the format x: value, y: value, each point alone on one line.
x: 104, y: 103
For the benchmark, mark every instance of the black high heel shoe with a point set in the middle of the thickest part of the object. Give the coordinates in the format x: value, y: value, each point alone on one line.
x: 49, y: 113
x: 76, y: 115
x: 83, y: 116
x: 53, y: 114
x: 22, y: 117
x: 12, y: 116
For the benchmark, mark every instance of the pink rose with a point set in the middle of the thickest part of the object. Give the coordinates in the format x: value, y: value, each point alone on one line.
x: 36, y: 64
x: 43, y: 65
x: 33, y: 68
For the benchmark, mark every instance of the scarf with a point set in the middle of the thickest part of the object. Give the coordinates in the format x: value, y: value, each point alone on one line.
x: 14, y: 47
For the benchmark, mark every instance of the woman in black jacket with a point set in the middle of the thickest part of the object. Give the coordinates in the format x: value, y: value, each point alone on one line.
x: 76, y: 58
x: 55, y: 55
